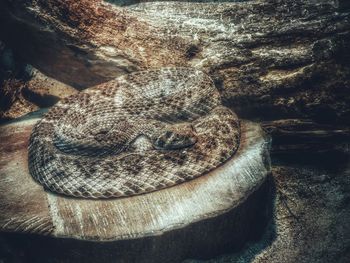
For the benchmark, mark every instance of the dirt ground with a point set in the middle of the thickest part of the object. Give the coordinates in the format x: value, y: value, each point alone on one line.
x: 311, y: 213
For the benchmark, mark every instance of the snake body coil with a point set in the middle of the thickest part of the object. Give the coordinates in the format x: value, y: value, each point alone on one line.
x: 136, y: 134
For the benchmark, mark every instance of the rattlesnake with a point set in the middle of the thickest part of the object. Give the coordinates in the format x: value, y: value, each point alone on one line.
x: 135, y: 134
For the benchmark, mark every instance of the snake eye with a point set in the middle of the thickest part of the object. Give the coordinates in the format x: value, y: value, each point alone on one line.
x: 168, y: 134
x: 176, y: 137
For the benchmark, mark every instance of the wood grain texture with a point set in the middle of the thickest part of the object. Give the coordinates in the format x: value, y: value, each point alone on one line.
x: 212, y: 212
x: 23, y: 204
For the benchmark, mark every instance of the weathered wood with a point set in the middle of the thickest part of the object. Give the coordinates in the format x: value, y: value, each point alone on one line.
x: 203, y: 217
x: 292, y: 136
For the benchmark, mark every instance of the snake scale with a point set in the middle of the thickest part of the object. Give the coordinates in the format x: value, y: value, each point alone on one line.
x: 138, y: 133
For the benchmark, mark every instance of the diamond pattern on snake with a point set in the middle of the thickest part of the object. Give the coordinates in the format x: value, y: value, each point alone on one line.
x: 139, y: 133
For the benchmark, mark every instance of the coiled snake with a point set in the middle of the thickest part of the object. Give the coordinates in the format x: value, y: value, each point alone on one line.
x: 138, y: 133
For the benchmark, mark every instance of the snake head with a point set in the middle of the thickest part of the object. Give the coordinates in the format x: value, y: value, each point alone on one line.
x: 175, y: 137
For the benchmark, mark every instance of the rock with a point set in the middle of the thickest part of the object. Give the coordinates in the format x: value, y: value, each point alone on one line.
x: 13, y: 104
x: 44, y: 91
x: 270, y: 59
x: 215, y: 213
x: 24, y: 89
x: 310, y: 216
x: 87, y: 42
x: 258, y: 52
x: 13, y: 76
x: 22, y: 96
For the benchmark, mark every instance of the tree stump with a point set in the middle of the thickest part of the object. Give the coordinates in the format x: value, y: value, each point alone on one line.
x: 212, y: 214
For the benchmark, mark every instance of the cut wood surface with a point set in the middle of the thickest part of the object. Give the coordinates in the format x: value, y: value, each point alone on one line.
x: 224, y: 208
